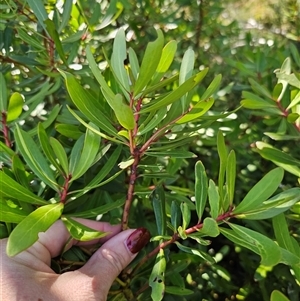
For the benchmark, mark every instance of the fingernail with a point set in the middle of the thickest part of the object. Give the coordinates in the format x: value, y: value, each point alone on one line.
x: 137, y: 240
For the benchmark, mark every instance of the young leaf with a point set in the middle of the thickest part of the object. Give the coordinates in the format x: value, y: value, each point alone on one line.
x: 26, y: 232
x: 212, y: 88
x: 157, y: 277
x: 150, y: 62
x: 81, y: 232
x: 214, y: 199
x: 201, y: 188
x: 159, y: 207
x: 34, y: 158
x: 230, y: 176
x: 15, y: 106
x: 60, y: 154
x: 9, y: 188
x: 261, y: 191
x: 210, y: 227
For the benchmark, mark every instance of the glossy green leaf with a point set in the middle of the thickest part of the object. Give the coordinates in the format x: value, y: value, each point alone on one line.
x: 149, y: 63
x: 278, y: 296
x: 118, y: 57
x: 197, y: 111
x: 26, y: 232
x: 186, y: 215
x: 230, y: 176
x: 11, y: 213
x: 261, y: 191
x: 262, y: 245
x: 210, y: 227
x: 39, y: 10
x: 86, y: 103
x: 34, y: 158
x: 68, y: 130
x: 50, y: 26
x: 177, y: 93
x: 201, y: 188
x: 9, y: 188
x: 60, y: 154
x: 167, y: 57
x: 65, y: 15
x: 134, y: 63
x: 222, y: 152
x: 157, y: 277
x: 294, y: 101
x: 159, y: 207
x: 187, y: 66
x: 175, y: 215
x: 178, y: 291
x: 214, y: 199
x: 3, y: 94
x: 87, y: 155
x: 212, y: 88
x: 81, y: 232
x: 196, y: 252
x: 15, y: 106
x: 258, y: 105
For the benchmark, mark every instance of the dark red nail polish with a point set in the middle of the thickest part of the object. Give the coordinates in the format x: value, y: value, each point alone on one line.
x: 137, y: 240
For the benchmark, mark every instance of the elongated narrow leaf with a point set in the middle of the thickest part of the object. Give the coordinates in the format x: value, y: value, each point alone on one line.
x: 26, y: 232
x: 186, y: 215
x: 155, y: 120
x: 178, y: 291
x: 11, y: 213
x: 34, y: 158
x: 157, y: 277
x: 39, y: 10
x: 81, y: 232
x: 159, y: 207
x: 15, y: 106
x: 60, y: 154
x: 214, y: 199
x: 175, y: 215
x: 3, y: 94
x: 212, y: 88
x: 150, y: 62
x: 9, y: 188
x: 259, y: 89
x: 134, y: 63
x: 177, y: 93
x: 201, y: 188
x: 222, y: 152
x: 261, y: 191
x: 86, y: 103
x: 230, y: 176
x: 167, y: 57
x: 65, y: 15
x: 90, y: 149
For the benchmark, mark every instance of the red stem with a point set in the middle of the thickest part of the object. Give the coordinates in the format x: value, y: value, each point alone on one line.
x: 64, y: 193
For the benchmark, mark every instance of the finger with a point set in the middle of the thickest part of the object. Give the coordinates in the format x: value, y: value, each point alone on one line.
x: 114, y: 255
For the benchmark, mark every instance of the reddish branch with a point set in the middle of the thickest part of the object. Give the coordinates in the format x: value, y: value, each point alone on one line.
x: 5, y: 130
x: 64, y: 192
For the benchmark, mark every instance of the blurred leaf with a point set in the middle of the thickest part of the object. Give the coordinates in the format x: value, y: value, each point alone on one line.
x: 30, y: 39
x: 154, y: 121
x: 9, y: 188
x: 149, y: 63
x: 261, y: 191
x: 159, y: 207
x: 179, y: 291
x: 39, y: 10
x: 259, y: 89
x: 15, y: 106
x: 167, y: 57
x: 3, y: 94
x: 175, y: 215
x: 134, y: 63
x: 157, y: 277
x: 230, y: 176
x: 81, y: 232
x: 11, y: 213
x: 34, y: 158
x: 171, y: 153
x: 278, y: 296
x: 201, y: 188
x: 214, y: 199
x: 68, y: 130
x: 177, y: 93
x: 212, y: 88
x: 60, y: 154
x: 65, y: 15
x: 222, y: 152
x: 26, y: 232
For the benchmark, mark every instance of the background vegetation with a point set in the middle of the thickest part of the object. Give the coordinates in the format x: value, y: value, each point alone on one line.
x: 50, y: 54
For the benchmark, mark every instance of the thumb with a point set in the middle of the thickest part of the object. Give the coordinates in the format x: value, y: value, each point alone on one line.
x: 114, y: 256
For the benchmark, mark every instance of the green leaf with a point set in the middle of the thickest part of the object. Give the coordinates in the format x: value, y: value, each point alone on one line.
x: 65, y: 15
x: 159, y: 207
x: 259, y: 89
x: 81, y: 232
x: 230, y: 176
x: 167, y: 57
x: 154, y: 121
x: 222, y: 152
x: 262, y: 245
x: 34, y: 158
x: 175, y: 215
x: 55, y: 37
x: 210, y: 227
x: 60, y: 155
x: 214, y: 199
x: 201, y: 188
x: 11, y: 213
x: 196, y: 252
x: 68, y: 130
x: 179, y: 291
x: 3, y: 94
x: 186, y: 215
x: 39, y: 10
x: 212, y: 88
x: 258, y: 105
x: 171, y: 153
x: 9, y: 188
x: 177, y: 93
x: 87, y: 155
x: 118, y: 57
x: 261, y: 191
x: 150, y: 62
x: 15, y: 106
x: 86, y: 103
x: 30, y: 39
x: 278, y: 296
x: 134, y: 63
x: 157, y: 277
x: 26, y: 232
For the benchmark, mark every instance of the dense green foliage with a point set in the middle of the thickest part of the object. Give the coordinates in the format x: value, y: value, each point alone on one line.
x: 171, y: 115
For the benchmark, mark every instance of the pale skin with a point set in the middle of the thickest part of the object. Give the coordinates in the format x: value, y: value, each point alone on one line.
x: 28, y: 275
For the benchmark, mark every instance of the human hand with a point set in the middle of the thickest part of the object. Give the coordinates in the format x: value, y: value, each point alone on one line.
x: 28, y: 275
